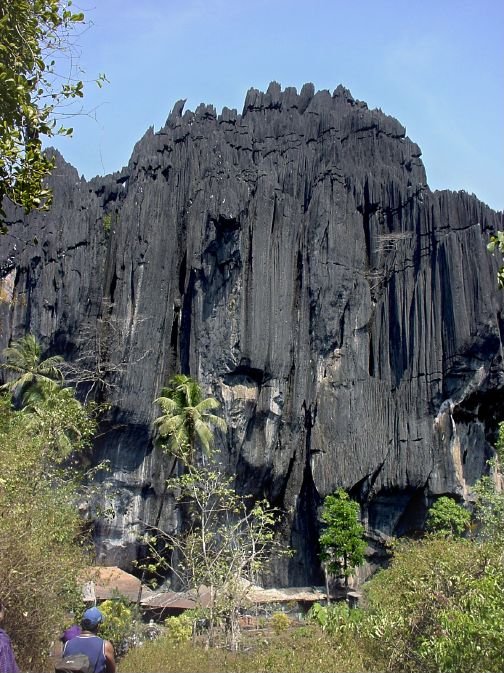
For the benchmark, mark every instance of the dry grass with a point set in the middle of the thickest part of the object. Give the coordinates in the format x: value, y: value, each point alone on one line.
x: 302, y: 650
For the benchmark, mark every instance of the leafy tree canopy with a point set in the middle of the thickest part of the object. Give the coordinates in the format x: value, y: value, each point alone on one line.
x: 30, y: 375
x: 342, y: 539
x: 186, y: 420
x: 446, y: 517
x: 35, y: 41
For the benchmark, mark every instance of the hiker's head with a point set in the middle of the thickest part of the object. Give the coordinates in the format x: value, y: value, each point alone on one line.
x: 91, y: 619
x: 2, y: 612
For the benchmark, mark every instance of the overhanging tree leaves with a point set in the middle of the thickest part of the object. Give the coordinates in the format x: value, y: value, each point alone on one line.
x: 35, y: 40
x: 342, y: 539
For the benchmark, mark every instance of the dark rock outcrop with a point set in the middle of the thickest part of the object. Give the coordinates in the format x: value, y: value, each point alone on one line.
x: 292, y: 259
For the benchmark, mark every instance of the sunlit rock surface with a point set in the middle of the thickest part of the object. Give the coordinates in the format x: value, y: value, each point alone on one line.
x: 292, y: 259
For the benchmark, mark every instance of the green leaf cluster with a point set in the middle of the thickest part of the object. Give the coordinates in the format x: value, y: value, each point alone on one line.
x: 279, y: 622
x: 36, y: 37
x: 179, y: 628
x: 42, y: 542
x: 119, y: 621
x: 438, y: 607
x: 446, y: 517
x: 497, y: 243
x: 342, y: 538
x: 186, y: 420
x: 337, y: 618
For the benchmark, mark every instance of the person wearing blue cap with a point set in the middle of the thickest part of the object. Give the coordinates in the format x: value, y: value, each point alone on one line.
x: 100, y: 652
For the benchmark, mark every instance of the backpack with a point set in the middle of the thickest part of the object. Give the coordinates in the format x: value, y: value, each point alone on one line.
x: 73, y: 663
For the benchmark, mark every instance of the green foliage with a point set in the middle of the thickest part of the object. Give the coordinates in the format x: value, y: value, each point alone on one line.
x: 179, y: 628
x: 224, y: 546
x: 499, y: 444
x: 42, y: 544
x: 336, y: 618
x: 107, y: 222
x: 301, y: 650
x: 318, y: 614
x: 119, y: 621
x: 342, y: 539
x: 438, y: 607
x: 448, y: 518
x: 35, y: 39
x: 30, y: 374
x: 280, y: 622
x: 489, y: 498
x: 185, y: 421
x: 489, y: 508
x: 497, y: 243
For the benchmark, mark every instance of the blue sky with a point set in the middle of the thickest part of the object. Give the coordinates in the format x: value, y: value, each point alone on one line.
x: 436, y: 65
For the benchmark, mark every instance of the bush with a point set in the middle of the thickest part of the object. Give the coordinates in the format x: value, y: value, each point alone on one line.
x: 335, y: 618
x: 179, y: 628
x: 304, y: 650
x: 42, y: 547
x: 119, y: 622
x: 439, y: 607
x: 446, y: 517
x: 280, y: 622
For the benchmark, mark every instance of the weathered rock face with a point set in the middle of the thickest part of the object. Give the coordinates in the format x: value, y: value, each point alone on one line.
x: 294, y: 261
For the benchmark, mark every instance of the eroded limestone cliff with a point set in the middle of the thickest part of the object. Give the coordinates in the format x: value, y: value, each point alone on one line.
x: 292, y: 259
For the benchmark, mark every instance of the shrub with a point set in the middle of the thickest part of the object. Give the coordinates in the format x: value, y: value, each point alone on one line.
x: 179, y: 628
x: 305, y: 650
x: 446, y: 517
x: 280, y: 622
x: 439, y: 607
x: 42, y: 547
x: 335, y: 618
x: 119, y: 622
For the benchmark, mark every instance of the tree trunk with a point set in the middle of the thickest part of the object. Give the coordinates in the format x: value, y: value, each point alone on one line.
x: 163, y: 495
x: 326, y: 576
x: 234, y: 628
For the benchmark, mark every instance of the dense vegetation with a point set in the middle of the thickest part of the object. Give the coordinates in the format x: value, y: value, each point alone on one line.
x: 439, y: 606
x: 43, y: 431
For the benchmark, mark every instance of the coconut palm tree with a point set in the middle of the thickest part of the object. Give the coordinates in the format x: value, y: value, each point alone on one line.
x: 186, y: 421
x: 32, y: 375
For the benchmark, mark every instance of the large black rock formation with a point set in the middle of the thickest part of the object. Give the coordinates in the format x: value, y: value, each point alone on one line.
x: 294, y: 261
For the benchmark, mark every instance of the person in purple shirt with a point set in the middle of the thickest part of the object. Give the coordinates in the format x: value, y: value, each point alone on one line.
x: 7, y: 659
x: 71, y: 632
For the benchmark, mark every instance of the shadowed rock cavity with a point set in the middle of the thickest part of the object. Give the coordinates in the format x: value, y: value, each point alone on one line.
x: 292, y: 259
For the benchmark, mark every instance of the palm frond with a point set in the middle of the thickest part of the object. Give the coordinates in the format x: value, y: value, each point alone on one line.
x: 185, y: 421
x: 219, y: 422
x: 206, y: 404
x: 167, y: 404
x: 204, y: 434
